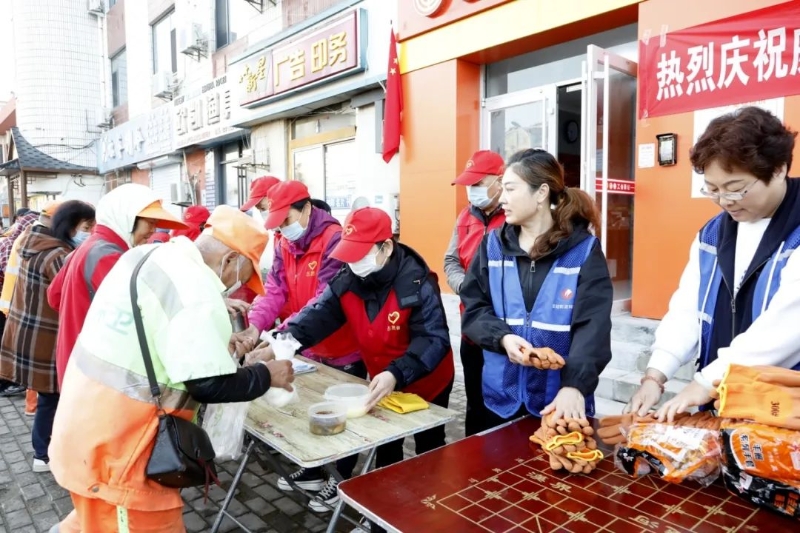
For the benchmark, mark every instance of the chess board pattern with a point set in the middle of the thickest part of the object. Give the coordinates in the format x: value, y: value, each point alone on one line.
x: 498, y: 483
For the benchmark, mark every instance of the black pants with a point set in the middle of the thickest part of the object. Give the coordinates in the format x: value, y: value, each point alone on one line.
x: 478, y: 418
x: 425, y: 441
x: 43, y: 424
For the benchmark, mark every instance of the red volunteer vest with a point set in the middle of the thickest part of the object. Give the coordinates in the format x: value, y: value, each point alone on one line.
x: 471, y: 231
x: 386, y: 339
x: 302, y: 281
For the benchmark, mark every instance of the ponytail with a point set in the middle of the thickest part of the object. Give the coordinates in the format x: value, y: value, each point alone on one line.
x: 573, y: 207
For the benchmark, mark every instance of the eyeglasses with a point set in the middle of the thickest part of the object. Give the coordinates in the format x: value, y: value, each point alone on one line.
x: 730, y: 196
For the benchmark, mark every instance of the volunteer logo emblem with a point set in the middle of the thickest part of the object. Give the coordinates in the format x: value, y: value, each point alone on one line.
x: 567, y: 294
x: 394, y: 316
x: 349, y: 229
x: 428, y: 8
x: 470, y: 164
x: 312, y: 265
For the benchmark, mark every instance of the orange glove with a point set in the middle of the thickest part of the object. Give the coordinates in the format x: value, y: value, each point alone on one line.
x: 612, y: 428
x: 780, y: 376
x: 765, y: 403
x: 544, y: 358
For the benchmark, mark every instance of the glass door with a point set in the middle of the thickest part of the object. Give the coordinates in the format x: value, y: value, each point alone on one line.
x: 607, y: 155
x: 520, y: 120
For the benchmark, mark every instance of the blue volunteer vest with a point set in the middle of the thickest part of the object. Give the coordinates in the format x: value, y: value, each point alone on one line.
x: 767, y: 284
x: 508, y: 386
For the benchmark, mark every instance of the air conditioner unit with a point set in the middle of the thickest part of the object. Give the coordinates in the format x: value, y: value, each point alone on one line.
x: 192, y: 39
x: 96, y: 7
x: 102, y: 117
x: 180, y: 193
x: 162, y: 84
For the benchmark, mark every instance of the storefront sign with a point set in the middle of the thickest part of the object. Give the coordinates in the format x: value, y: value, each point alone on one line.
x: 616, y: 186
x: 141, y: 138
x: 331, y: 51
x: 203, y: 114
x: 752, y: 56
x: 420, y: 16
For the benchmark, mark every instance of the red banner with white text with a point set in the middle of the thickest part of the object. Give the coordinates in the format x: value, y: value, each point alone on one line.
x: 748, y: 57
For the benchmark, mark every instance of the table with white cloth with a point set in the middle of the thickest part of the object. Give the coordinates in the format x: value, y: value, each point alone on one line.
x: 286, y: 431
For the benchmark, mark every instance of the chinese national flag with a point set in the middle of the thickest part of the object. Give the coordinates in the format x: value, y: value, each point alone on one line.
x: 394, y: 104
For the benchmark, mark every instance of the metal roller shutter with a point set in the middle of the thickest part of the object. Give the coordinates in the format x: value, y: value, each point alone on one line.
x: 166, y: 183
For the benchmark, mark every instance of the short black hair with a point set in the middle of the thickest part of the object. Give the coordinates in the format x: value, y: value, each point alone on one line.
x: 68, y: 216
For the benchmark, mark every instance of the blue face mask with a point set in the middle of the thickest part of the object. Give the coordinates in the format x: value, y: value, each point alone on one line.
x: 79, y: 237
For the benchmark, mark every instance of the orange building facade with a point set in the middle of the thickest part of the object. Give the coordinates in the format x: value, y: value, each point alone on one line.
x: 512, y: 74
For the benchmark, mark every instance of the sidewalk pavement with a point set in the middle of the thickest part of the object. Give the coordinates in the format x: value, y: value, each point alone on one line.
x: 33, y: 503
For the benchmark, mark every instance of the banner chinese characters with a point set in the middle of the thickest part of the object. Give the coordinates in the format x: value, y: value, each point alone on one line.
x: 752, y: 56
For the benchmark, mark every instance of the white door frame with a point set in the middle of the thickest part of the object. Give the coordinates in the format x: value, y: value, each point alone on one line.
x: 545, y: 94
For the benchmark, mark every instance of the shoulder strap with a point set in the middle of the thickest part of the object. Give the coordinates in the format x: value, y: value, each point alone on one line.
x: 155, y: 390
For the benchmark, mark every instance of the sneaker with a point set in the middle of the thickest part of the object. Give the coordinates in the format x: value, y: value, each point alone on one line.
x: 329, y: 495
x: 30, y: 413
x: 306, y: 479
x: 13, y: 390
x: 40, y: 465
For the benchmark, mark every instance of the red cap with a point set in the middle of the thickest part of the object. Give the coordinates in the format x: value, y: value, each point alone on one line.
x: 482, y: 163
x: 281, y: 198
x: 196, y: 214
x: 362, y: 229
x: 259, y: 189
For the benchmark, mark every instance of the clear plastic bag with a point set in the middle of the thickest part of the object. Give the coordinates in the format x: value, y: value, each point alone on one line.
x: 284, y: 346
x: 224, y: 423
x: 674, y: 453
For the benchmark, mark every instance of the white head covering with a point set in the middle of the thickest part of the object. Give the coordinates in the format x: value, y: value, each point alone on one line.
x: 119, y: 208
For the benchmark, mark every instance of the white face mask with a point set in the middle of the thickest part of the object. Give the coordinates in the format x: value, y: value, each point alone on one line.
x: 233, y: 288
x: 367, y: 265
x: 294, y: 231
x: 479, y: 196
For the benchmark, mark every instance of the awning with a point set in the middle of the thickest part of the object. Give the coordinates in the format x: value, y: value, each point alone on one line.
x: 31, y: 159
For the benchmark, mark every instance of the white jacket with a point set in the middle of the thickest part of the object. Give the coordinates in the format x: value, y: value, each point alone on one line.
x: 772, y: 339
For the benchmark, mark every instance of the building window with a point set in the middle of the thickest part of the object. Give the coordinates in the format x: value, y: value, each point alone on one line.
x: 165, y: 57
x: 119, y: 79
x: 234, y: 19
x: 115, y: 179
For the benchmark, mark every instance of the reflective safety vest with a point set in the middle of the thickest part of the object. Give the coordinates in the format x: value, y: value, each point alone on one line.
x: 104, y: 430
x: 506, y: 385
x: 767, y: 284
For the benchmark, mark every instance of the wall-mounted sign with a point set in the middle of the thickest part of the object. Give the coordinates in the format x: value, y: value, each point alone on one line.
x: 203, y: 114
x: 752, y: 56
x: 333, y: 50
x: 616, y: 186
x: 141, y: 138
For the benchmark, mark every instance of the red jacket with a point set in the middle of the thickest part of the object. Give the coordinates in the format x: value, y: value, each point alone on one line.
x: 303, y: 282
x: 72, y: 290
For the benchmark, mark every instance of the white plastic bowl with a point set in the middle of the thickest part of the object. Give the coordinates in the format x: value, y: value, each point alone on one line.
x: 351, y: 395
x: 327, y: 418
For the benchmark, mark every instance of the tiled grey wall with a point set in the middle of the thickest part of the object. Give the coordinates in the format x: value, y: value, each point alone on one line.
x: 58, y: 47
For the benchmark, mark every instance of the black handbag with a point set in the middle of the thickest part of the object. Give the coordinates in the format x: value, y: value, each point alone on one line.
x: 183, y: 455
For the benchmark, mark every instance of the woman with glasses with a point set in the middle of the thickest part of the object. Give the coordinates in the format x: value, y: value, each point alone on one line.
x: 739, y: 296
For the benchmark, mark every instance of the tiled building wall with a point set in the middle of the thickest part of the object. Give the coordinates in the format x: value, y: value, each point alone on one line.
x: 58, y: 65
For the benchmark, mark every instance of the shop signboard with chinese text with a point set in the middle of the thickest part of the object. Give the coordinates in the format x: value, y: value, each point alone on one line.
x: 203, y: 114
x: 141, y: 138
x: 752, y: 56
x: 329, y: 52
x: 616, y: 186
